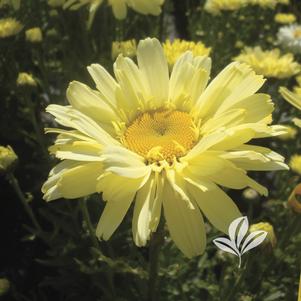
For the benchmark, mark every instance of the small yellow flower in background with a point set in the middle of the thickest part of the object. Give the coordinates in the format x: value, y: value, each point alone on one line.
x: 269, y: 63
x: 239, y: 44
x: 163, y: 140
x: 9, y: 27
x: 4, y: 286
x: 293, y: 202
x: 56, y: 3
x: 119, y: 7
x: 285, y: 18
x: 215, y: 7
x: 34, y: 35
x: 291, y: 133
x: 126, y: 48
x: 26, y: 79
x: 14, y: 3
x: 173, y: 50
x: 268, y: 3
x: 271, y: 237
x: 295, y: 163
x: 8, y: 159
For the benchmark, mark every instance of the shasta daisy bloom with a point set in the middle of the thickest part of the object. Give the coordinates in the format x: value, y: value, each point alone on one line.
x: 162, y: 140
x: 270, y: 63
x: 173, y: 50
x: 289, y: 37
x: 268, y: 3
x: 215, y: 7
x: 9, y: 27
x: 285, y: 18
x: 119, y: 7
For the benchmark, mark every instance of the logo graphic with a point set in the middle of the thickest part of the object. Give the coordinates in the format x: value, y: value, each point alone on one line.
x: 239, y: 242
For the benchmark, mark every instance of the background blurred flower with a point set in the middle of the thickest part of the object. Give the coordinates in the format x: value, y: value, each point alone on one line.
x: 295, y: 163
x: 126, y: 48
x: 8, y: 159
x: 173, y: 50
x: 289, y: 37
x: 9, y: 27
x: 4, y: 286
x: 26, y: 79
x: 285, y: 18
x: 14, y: 3
x: 34, y: 35
x: 217, y: 6
x: 269, y: 63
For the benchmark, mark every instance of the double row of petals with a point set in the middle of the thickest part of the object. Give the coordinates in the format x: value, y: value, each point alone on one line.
x: 230, y: 115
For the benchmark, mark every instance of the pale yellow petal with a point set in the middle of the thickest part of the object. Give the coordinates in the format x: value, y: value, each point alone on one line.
x: 185, y: 225
x: 188, y: 79
x: 105, y: 83
x: 119, y: 8
x: 237, y: 81
x: 154, y: 68
x: 217, y: 206
x: 147, y: 210
x: 90, y: 102
x: 69, y: 117
x: 293, y: 98
x: 112, y: 217
x: 73, y: 180
x: 132, y: 86
x: 78, y: 151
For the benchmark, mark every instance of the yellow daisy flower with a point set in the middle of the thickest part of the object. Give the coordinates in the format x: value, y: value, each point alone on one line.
x: 173, y: 50
x: 269, y: 63
x: 215, y: 7
x: 268, y: 3
x: 119, y: 7
x: 285, y: 18
x: 160, y: 139
x: 126, y: 48
x: 9, y: 27
x: 295, y: 163
x: 34, y: 35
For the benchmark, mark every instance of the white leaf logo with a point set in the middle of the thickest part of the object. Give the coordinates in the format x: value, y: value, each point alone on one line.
x: 239, y: 242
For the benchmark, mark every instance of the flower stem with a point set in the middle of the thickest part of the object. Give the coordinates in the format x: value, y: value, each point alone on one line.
x: 86, y: 216
x: 156, y: 242
x: 15, y: 184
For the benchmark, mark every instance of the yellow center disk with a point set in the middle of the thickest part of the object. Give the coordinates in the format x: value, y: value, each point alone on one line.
x: 161, y: 135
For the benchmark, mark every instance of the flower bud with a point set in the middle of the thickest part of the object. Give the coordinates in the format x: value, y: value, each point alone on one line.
x: 4, y: 286
x: 9, y: 27
x: 8, y: 159
x: 126, y: 48
x: 34, y: 35
x: 271, y: 237
x: 26, y: 79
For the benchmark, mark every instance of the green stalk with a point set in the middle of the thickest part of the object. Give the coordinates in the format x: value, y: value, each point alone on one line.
x: 15, y: 184
x: 87, y: 219
x: 156, y: 242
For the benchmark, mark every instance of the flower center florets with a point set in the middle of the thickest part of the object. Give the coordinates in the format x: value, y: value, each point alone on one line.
x: 161, y: 135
